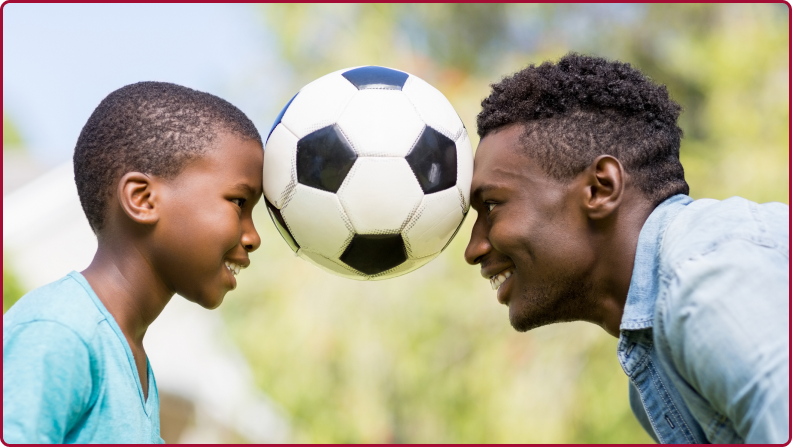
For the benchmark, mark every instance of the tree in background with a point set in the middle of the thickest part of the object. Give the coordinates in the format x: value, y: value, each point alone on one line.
x: 430, y: 357
x: 12, y: 289
x: 11, y: 137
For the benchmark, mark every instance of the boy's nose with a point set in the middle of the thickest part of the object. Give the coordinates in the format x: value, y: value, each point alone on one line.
x: 250, y: 237
x: 479, y: 244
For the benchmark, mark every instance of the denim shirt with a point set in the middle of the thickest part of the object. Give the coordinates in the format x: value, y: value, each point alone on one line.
x: 705, y: 330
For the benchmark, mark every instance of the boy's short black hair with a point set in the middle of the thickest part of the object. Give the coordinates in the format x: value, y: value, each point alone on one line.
x: 583, y: 107
x: 149, y: 127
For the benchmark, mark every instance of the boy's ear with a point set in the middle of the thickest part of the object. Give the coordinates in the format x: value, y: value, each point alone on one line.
x: 138, y: 197
x: 604, y: 181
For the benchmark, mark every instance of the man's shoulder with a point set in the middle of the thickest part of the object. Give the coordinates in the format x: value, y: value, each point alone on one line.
x: 721, y: 322
x: 65, y: 302
x: 714, y: 254
x: 704, y: 225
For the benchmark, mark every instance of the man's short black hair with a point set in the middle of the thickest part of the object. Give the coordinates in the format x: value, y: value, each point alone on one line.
x: 583, y: 107
x: 149, y: 127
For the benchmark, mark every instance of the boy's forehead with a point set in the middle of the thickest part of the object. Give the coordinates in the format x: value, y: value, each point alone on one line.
x: 233, y: 157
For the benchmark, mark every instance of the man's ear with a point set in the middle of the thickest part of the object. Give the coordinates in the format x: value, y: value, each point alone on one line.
x: 604, y: 187
x: 138, y: 197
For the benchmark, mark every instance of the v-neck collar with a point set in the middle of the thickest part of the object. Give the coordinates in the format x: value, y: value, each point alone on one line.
x: 145, y: 401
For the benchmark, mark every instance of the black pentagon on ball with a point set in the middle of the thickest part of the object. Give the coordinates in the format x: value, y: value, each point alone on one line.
x: 433, y: 159
x: 324, y: 158
x: 374, y: 253
x: 280, y: 116
x: 376, y: 77
x: 280, y: 224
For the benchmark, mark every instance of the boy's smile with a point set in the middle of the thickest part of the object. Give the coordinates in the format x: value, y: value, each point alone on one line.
x: 205, y: 230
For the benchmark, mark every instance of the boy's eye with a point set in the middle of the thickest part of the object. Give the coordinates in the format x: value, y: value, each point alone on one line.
x: 238, y: 202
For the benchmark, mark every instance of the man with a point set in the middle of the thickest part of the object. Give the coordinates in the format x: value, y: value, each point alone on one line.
x: 583, y: 214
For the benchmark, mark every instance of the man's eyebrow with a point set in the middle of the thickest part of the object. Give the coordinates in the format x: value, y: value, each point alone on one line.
x: 482, y: 189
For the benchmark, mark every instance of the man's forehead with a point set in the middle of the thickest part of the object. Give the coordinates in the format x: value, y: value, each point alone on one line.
x: 500, y: 143
x: 500, y: 153
x: 502, y: 163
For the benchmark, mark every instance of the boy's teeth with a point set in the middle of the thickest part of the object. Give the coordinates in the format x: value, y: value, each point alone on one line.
x: 233, y: 268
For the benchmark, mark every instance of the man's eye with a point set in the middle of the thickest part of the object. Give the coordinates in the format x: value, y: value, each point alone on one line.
x: 490, y: 206
x: 238, y: 202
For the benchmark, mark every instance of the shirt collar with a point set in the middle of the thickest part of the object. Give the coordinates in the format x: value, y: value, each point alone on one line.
x: 640, y: 305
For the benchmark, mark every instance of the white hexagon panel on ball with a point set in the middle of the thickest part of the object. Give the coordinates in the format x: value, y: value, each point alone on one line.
x: 380, y: 194
x: 464, y: 167
x: 327, y: 235
x: 280, y: 174
x: 380, y: 122
x: 433, y: 223
x: 330, y: 265
x: 318, y: 104
x: 433, y: 107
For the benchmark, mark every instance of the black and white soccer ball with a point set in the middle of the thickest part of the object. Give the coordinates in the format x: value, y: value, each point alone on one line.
x: 367, y: 172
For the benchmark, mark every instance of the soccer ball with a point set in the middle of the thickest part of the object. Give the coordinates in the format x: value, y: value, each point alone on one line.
x: 367, y: 173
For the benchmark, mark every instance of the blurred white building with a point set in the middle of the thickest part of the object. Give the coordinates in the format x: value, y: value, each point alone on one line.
x: 206, y: 387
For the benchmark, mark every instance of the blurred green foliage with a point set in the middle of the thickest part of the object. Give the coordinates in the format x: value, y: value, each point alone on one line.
x: 12, y: 288
x: 11, y: 137
x: 430, y: 356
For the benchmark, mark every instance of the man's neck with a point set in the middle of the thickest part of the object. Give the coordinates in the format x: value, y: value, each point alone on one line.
x: 128, y: 286
x: 616, y: 258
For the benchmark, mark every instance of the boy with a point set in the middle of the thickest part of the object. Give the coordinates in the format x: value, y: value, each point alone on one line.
x: 168, y: 178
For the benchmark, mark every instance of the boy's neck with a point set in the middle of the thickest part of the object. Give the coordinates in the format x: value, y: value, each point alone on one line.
x: 129, y: 288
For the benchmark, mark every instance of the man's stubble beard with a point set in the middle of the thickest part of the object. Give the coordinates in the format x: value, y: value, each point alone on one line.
x: 569, y: 298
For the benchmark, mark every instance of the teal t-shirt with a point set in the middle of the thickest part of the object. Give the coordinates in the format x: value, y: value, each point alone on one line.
x: 68, y: 372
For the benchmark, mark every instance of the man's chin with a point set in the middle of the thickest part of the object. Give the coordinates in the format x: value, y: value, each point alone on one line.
x: 521, y: 322
x: 567, y: 300
x: 525, y: 315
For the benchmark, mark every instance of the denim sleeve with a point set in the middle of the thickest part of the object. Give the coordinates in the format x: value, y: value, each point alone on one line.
x: 46, y: 382
x: 725, y: 326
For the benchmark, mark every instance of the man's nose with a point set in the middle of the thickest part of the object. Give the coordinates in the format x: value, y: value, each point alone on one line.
x: 479, y: 244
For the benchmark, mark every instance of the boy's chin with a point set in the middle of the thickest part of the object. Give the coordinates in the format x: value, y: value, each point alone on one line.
x: 207, y: 302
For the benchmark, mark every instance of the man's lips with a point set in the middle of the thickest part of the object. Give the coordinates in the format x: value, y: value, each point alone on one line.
x: 499, y: 278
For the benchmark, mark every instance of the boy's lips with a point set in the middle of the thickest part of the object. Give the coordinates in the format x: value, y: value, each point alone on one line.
x: 233, y: 268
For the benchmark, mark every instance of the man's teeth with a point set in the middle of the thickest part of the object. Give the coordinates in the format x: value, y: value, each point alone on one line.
x: 233, y: 268
x: 497, y: 280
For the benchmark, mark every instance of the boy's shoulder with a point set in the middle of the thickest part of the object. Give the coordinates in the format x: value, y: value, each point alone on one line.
x: 68, y: 301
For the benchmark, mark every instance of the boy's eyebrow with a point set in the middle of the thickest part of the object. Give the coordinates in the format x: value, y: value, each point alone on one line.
x: 245, y: 187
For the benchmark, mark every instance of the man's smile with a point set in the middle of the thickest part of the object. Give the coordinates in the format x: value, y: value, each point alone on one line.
x: 499, y: 278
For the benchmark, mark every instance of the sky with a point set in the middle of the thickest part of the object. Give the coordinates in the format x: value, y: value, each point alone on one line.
x: 60, y: 61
